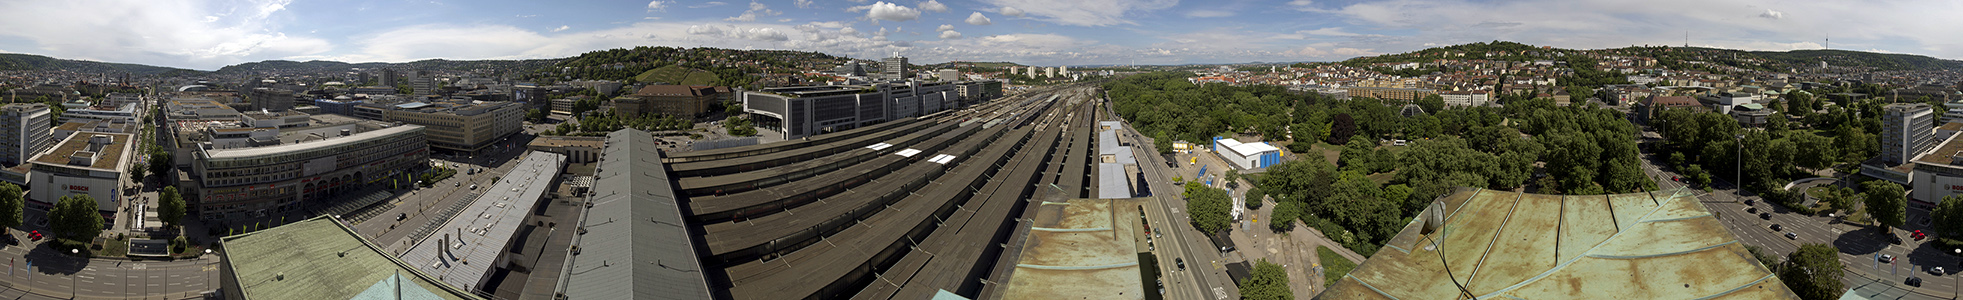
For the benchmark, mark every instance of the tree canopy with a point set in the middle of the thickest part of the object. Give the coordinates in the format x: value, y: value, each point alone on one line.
x: 11, y: 205
x: 170, y: 207
x: 1209, y: 207
x: 1886, y: 202
x: 1813, y: 272
x: 75, y: 217
x: 1268, y: 281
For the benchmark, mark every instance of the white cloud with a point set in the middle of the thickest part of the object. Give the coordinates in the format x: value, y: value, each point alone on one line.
x: 1772, y: 14
x: 945, y: 27
x: 1085, y: 12
x: 933, y: 6
x: 978, y: 19
x: 1302, y: 5
x: 561, y: 28
x: 1011, y: 11
x: 756, y: 10
x: 709, y: 4
x: 657, y: 5
x: 950, y: 34
x: 705, y: 30
x: 1209, y: 13
x: 178, y: 33
x: 887, y: 11
x: 762, y: 34
x: 803, y: 3
x: 1328, y: 31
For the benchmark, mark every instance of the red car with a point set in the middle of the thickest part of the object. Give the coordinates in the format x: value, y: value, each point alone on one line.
x: 34, y: 235
x: 1918, y: 235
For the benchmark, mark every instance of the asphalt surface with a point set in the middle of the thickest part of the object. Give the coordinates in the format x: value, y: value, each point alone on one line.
x: 53, y: 275
x: 423, y: 205
x: 1205, y: 276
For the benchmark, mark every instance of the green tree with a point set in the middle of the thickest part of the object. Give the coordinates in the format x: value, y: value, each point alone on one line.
x: 1885, y: 202
x: 1841, y: 199
x: 1948, y: 216
x: 1233, y: 178
x: 161, y: 164
x: 138, y: 170
x: 1283, y: 216
x: 75, y: 217
x: 1254, y: 197
x: 1813, y: 272
x: 535, y: 115
x: 11, y: 205
x: 170, y: 207
x: 1341, y: 129
x: 1209, y: 207
x: 1268, y: 281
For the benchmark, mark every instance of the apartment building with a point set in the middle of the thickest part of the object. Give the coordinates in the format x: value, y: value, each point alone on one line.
x: 24, y: 131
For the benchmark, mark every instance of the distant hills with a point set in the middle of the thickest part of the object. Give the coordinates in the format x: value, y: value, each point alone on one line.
x: 1771, y: 60
x: 15, y: 61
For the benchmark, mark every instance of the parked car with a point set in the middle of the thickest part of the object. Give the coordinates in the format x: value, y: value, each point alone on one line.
x: 400, y: 216
x: 1748, y: 201
x: 1936, y: 270
x: 1792, y: 236
x: 34, y: 235
x: 1914, y: 281
x: 1752, y: 210
x: 1886, y: 258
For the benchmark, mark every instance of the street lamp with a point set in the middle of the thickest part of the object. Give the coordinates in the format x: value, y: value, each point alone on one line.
x: 74, y: 283
x: 1739, y: 173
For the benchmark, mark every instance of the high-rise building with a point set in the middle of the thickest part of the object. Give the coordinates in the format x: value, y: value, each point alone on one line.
x: 24, y: 131
x: 423, y: 83
x: 1065, y: 70
x: 389, y: 78
x: 271, y: 99
x: 1049, y: 72
x: 1907, y: 130
x: 894, y: 68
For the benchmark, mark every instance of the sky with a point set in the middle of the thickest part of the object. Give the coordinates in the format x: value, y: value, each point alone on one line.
x: 208, y: 34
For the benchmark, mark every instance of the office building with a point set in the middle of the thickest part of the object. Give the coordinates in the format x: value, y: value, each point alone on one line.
x: 850, y: 69
x: 24, y: 132
x: 978, y: 91
x: 270, y: 99
x: 1907, y: 129
x: 948, y: 75
x: 422, y: 83
x: 1466, y: 98
x: 126, y: 112
x: 266, y: 170
x: 465, y: 126
x: 894, y: 68
x: 389, y: 79
x: 1389, y: 93
x: 119, y: 99
x: 577, y: 149
x: 84, y: 164
x: 796, y: 112
x: 681, y: 101
x: 1723, y: 102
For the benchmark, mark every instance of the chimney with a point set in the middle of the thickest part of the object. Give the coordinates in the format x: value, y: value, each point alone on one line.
x: 443, y: 246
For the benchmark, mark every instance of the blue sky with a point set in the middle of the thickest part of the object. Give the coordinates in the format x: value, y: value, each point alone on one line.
x: 207, y: 34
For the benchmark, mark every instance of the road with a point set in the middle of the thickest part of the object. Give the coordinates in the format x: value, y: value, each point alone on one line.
x: 1858, y: 244
x: 54, y: 275
x: 422, y: 205
x: 1205, y: 276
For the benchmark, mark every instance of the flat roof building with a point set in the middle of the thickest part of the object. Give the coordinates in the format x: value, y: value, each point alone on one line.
x: 1534, y: 246
x: 635, y: 245
x: 467, y: 126
x: 577, y: 149
x: 465, y: 250
x: 321, y: 258
x: 1247, y: 156
x: 241, y: 169
x: 85, y: 164
x: 796, y: 112
x: 681, y: 101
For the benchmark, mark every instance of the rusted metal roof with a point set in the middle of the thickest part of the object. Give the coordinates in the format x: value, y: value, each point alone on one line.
x: 1081, y: 249
x: 1499, y: 244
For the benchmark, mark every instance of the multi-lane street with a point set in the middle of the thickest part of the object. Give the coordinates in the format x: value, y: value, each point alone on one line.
x: 35, y: 272
x: 1205, y: 276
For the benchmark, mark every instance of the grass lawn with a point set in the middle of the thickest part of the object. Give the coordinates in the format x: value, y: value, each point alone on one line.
x: 113, y: 248
x: 1334, y: 266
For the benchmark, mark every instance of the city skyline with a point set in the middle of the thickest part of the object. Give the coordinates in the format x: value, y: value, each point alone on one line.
x: 206, y: 35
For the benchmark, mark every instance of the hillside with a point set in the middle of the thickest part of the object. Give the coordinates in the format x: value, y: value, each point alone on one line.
x: 676, y: 74
x: 1881, y: 61
x: 1675, y: 57
x: 13, y: 61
